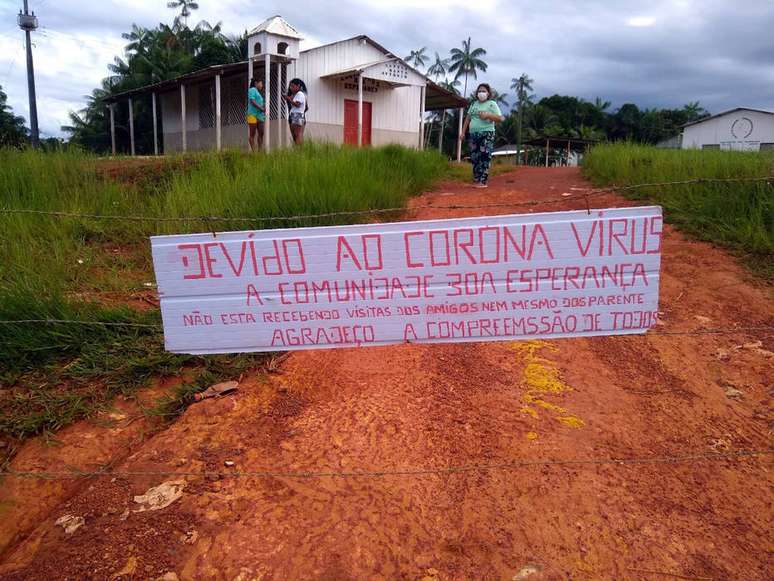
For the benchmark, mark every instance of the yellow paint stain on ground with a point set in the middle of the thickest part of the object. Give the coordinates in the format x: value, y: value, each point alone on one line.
x: 541, y: 379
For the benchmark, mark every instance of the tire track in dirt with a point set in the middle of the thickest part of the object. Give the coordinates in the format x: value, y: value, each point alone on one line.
x: 415, y: 406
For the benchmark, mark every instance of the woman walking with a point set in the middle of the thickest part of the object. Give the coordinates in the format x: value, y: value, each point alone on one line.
x: 296, y: 99
x: 256, y: 114
x: 482, y: 115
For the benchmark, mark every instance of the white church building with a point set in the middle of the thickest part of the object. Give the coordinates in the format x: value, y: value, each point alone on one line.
x: 359, y: 93
x: 740, y: 129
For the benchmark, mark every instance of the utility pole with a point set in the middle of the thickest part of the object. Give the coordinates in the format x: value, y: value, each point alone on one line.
x: 29, y: 22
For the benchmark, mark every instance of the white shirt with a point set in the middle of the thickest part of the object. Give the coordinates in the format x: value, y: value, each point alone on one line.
x: 300, y: 98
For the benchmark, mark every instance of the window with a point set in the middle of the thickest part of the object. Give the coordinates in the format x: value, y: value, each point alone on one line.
x: 711, y: 146
x: 282, y: 48
x: 767, y: 146
x: 257, y: 48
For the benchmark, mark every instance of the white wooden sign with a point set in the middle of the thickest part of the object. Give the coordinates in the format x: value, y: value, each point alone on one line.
x: 499, y: 278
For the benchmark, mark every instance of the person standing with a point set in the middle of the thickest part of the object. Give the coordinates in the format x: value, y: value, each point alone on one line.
x: 298, y: 107
x: 482, y: 115
x: 256, y: 114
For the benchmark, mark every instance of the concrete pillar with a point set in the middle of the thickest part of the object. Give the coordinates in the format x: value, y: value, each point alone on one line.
x: 459, y: 132
x: 155, y: 126
x: 360, y: 110
x: 131, y: 127
x: 267, y: 102
x: 280, y: 127
x: 218, y: 120
x: 284, y: 130
x: 422, y: 117
x: 182, y: 117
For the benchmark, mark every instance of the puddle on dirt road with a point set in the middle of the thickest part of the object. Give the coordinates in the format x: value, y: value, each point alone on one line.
x: 541, y: 379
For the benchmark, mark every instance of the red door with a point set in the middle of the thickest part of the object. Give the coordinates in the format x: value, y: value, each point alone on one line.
x: 350, y: 122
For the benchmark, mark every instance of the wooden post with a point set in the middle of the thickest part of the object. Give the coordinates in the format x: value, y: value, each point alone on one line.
x: 184, y: 134
x: 218, y: 126
x: 155, y: 126
x: 547, y: 140
x: 285, y: 131
x: 422, y: 116
x: 267, y: 103
x: 280, y: 126
x: 568, y: 152
x: 459, y: 132
x: 440, y: 135
x: 131, y: 127
x: 360, y: 110
x: 112, y: 127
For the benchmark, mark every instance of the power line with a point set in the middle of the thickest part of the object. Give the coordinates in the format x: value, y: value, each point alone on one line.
x: 424, y: 471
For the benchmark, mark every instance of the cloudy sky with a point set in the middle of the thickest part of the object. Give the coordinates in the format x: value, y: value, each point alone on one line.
x: 658, y: 53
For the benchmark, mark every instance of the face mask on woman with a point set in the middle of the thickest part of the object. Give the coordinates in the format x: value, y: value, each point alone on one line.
x: 483, y: 96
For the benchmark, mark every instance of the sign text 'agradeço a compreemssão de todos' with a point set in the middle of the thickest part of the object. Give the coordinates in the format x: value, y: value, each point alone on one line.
x: 560, y: 274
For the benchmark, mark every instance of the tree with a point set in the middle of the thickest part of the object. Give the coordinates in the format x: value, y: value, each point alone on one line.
x: 601, y: 105
x: 151, y: 55
x: 417, y: 57
x: 626, y: 123
x: 467, y: 62
x: 13, y: 133
x: 522, y: 85
x: 186, y: 6
x: 439, y: 68
x: 452, y: 86
x: 694, y: 111
x: 138, y: 39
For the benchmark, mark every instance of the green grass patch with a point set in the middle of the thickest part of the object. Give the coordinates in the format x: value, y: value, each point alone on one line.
x: 737, y: 215
x: 80, y: 268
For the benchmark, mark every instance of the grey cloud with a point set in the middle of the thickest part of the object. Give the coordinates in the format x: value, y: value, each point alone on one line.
x: 713, y: 51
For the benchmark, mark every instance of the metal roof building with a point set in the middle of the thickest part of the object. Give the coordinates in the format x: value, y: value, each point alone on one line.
x: 359, y: 93
x: 741, y: 129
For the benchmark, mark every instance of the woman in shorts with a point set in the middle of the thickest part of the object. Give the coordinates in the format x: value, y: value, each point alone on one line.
x: 298, y: 106
x: 256, y: 114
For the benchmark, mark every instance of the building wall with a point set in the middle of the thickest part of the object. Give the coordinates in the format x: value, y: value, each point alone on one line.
x: 394, y: 109
x: 738, y: 130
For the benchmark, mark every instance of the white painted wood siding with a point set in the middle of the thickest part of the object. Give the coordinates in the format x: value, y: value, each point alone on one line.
x: 393, y: 109
x: 730, y: 131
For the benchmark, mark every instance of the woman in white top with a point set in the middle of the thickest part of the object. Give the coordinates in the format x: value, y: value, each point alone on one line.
x: 298, y: 107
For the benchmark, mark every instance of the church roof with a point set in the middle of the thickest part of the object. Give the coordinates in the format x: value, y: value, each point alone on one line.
x: 277, y: 25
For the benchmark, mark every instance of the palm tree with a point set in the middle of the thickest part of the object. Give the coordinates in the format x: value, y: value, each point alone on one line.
x: 499, y: 98
x: 466, y: 62
x: 439, y: 68
x: 522, y: 85
x: 452, y: 86
x: 237, y: 47
x: 694, y: 111
x: 601, y: 105
x: 185, y: 8
x: 138, y: 39
x: 417, y: 57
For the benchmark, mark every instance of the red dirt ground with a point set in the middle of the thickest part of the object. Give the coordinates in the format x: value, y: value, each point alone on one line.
x: 416, y: 406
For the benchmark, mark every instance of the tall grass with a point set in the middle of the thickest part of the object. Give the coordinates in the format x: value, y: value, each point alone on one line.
x: 54, y: 268
x: 737, y: 215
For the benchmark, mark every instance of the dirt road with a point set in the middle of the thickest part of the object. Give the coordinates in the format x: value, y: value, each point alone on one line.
x: 412, y: 406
